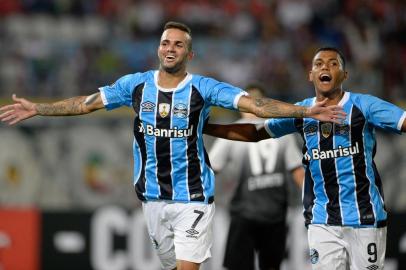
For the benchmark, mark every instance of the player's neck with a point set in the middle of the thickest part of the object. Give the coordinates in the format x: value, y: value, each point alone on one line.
x: 170, y: 80
x: 333, y: 97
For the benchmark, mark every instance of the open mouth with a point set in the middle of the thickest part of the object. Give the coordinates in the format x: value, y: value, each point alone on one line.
x: 325, y: 78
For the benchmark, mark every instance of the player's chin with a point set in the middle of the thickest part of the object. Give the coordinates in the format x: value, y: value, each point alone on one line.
x: 171, y: 68
x: 325, y: 88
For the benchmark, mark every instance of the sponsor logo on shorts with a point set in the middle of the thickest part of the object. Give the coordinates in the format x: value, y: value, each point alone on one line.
x: 314, y: 256
x: 192, y: 233
x: 154, y: 242
x: 373, y: 267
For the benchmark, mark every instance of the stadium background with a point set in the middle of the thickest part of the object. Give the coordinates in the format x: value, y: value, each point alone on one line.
x: 66, y: 199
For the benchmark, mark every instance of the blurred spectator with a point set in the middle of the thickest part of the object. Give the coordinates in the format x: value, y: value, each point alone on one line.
x: 52, y: 45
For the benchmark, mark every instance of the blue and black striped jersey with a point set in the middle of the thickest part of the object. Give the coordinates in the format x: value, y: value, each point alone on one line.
x: 170, y: 161
x: 342, y: 184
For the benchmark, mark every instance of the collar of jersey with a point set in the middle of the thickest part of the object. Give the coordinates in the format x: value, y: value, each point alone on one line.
x: 180, y: 85
x: 343, y: 100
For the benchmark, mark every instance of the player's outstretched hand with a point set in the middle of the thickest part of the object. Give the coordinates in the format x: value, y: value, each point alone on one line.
x: 22, y: 109
x: 321, y: 112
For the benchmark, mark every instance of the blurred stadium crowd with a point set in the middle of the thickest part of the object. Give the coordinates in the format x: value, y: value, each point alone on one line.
x: 59, y: 48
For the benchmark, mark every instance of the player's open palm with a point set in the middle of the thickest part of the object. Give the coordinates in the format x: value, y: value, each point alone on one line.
x: 22, y: 109
x: 332, y: 113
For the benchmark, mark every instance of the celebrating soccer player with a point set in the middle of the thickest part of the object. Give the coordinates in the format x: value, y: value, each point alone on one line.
x: 343, y: 198
x: 172, y: 175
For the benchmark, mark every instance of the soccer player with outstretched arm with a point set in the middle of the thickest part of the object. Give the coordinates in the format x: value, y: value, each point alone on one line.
x: 172, y: 174
x: 343, y: 198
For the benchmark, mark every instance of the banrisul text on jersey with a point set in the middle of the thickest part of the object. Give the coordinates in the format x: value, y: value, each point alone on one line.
x: 342, y: 185
x: 170, y: 161
x: 335, y: 153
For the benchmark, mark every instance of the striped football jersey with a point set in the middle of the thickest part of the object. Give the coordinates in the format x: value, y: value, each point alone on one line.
x: 170, y: 161
x: 342, y: 185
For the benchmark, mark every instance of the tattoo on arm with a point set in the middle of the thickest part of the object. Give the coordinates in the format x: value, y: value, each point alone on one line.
x: 266, y: 107
x: 72, y: 106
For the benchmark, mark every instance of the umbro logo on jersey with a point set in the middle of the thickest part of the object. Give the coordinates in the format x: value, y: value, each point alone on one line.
x: 373, y: 267
x: 147, y: 106
x: 192, y: 233
x: 310, y: 130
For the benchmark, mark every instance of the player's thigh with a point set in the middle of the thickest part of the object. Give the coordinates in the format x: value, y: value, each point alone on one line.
x: 239, y: 253
x: 327, y: 248
x: 192, y: 224
x: 160, y: 233
x: 185, y: 265
x: 367, y: 248
x: 270, y: 243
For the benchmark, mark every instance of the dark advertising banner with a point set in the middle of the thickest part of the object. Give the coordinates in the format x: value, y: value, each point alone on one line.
x: 396, y: 241
x: 65, y: 240
x: 112, y: 238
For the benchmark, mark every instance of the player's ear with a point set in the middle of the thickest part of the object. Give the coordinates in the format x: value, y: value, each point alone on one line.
x: 190, y: 56
x: 345, y: 75
x: 310, y: 76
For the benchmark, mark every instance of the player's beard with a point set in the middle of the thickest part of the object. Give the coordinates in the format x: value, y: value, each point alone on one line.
x: 175, y: 68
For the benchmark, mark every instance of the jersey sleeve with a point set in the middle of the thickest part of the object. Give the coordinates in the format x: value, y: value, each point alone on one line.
x: 220, y: 94
x: 382, y: 114
x: 119, y: 93
x: 278, y: 127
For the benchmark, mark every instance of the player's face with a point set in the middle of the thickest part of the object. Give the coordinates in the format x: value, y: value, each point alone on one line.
x: 327, y: 72
x: 173, y: 50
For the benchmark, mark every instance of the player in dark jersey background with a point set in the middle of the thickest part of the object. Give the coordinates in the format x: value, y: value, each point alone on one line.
x: 258, y: 207
x: 172, y: 174
x: 343, y: 195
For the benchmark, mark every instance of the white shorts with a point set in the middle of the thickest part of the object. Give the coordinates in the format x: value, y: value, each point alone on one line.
x: 179, y: 231
x: 343, y: 248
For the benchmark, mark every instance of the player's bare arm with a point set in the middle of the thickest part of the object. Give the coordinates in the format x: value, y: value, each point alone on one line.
x: 270, y: 108
x: 237, y: 132
x: 24, y: 109
x: 298, y: 175
x: 404, y: 126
